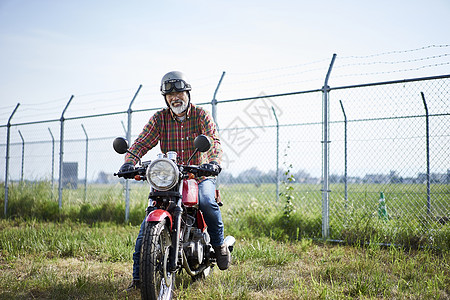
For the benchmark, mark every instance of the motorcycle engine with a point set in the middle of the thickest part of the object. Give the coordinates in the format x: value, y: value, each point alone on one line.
x: 195, y: 248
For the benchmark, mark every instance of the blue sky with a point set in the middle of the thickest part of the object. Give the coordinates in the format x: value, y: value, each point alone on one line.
x: 101, y: 51
x: 50, y: 50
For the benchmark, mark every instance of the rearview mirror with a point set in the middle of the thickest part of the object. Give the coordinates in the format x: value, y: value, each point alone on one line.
x: 120, y: 145
x: 202, y: 143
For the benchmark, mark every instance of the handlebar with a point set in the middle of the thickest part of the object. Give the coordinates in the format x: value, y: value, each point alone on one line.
x: 196, y: 170
x: 199, y: 171
x: 131, y: 174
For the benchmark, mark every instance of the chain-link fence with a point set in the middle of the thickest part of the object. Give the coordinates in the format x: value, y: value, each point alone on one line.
x: 387, y: 139
x: 392, y: 138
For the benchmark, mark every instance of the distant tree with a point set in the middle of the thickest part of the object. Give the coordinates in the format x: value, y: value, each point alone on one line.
x: 252, y: 175
x: 334, y: 178
x: 103, y: 178
x: 301, y: 176
x: 226, y: 178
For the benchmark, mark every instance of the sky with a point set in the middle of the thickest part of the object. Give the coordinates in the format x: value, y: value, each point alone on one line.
x: 103, y: 50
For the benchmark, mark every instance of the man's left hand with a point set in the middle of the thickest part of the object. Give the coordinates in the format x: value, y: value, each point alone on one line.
x: 212, y: 167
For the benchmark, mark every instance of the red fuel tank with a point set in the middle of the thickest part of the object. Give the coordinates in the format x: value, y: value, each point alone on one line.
x: 190, y: 192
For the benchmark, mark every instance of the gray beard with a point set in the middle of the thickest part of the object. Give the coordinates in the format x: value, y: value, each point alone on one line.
x: 179, y: 109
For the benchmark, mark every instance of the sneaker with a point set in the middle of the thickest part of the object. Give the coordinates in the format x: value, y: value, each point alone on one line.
x: 134, y: 285
x: 223, y: 256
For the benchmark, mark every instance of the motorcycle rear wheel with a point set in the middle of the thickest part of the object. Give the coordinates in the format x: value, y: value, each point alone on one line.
x: 202, y: 275
x: 156, y: 282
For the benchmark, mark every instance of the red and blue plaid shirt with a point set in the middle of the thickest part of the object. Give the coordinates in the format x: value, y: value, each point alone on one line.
x: 178, y: 136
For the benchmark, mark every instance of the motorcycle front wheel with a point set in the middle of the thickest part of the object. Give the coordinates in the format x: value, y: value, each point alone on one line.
x: 156, y: 282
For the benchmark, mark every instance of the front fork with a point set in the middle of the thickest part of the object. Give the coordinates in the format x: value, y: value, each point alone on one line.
x: 173, y: 256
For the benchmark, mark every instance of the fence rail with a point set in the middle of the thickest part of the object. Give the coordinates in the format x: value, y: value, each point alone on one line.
x: 344, y: 145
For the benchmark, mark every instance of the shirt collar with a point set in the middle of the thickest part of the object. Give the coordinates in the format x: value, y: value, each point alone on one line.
x: 188, y: 113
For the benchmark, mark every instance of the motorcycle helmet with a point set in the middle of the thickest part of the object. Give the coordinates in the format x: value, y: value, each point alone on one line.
x: 174, y: 81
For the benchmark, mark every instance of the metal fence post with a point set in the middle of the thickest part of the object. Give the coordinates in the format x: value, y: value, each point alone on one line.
x: 214, y: 102
x: 8, y: 133
x: 23, y: 156
x: 278, y: 147
x: 428, y: 153
x: 53, y: 158
x: 326, y: 157
x: 127, y: 183
x: 86, y: 163
x: 61, y: 154
x: 345, y: 154
x: 214, y: 112
x: 124, y: 129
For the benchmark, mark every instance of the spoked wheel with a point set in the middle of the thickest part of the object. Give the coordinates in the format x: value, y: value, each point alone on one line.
x: 156, y: 282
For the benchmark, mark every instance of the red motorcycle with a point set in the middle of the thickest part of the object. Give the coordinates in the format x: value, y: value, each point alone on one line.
x: 175, y: 235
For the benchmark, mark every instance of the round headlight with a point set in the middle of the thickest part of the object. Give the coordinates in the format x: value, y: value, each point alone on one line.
x: 162, y: 174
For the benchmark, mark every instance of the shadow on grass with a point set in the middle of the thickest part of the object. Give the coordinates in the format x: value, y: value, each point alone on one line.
x: 81, y: 288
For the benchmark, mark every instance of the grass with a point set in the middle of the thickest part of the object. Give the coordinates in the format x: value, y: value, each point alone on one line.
x: 84, y: 251
x: 45, y: 260
x: 254, y: 211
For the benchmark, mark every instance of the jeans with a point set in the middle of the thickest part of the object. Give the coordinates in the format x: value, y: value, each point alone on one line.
x: 211, y: 213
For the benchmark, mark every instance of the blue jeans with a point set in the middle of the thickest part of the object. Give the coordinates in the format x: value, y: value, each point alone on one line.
x: 211, y: 213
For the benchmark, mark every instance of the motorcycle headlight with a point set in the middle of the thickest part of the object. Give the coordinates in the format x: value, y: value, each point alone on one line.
x: 162, y: 174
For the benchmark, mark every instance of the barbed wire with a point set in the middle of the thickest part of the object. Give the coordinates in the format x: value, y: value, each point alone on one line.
x: 105, y: 92
x: 284, y: 67
x: 392, y: 71
x: 284, y: 75
x: 395, y: 52
x: 393, y: 62
x: 247, y: 80
x: 240, y: 81
x: 7, y: 107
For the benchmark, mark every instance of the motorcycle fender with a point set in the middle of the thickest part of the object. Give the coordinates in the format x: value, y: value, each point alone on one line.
x: 201, y: 221
x: 159, y: 215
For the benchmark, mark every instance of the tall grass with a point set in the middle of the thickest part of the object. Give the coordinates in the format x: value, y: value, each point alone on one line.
x: 250, y: 211
x: 37, y: 201
x: 64, y: 260
x: 67, y: 260
x: 66, y: 239
x: 87, y: 253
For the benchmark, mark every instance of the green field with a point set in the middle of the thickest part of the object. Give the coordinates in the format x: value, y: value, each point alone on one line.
x: 254, y: 210
x: 85, y: 250
x: 69, y: 260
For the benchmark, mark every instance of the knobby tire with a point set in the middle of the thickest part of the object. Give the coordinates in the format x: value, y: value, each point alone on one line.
x: 156, y: 240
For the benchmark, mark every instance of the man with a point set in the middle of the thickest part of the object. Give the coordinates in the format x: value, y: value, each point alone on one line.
x: 175, y: 128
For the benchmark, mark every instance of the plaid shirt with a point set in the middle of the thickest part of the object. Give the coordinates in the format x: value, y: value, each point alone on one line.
x: 178, y: 136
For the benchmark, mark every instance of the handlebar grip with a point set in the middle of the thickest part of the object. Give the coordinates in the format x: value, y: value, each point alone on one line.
x: 202, y: 171
x: 207, y: 172
x: 127, y: 174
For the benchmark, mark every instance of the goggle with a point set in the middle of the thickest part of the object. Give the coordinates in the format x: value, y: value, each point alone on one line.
x: 177, y: 85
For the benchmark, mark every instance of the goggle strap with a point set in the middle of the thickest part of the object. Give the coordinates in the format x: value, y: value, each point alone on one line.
x: 177, y: 84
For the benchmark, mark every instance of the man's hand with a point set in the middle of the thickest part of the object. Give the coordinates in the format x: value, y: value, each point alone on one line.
x: 126, y: 167
x: 217, y: 166
x: 212, y: 167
